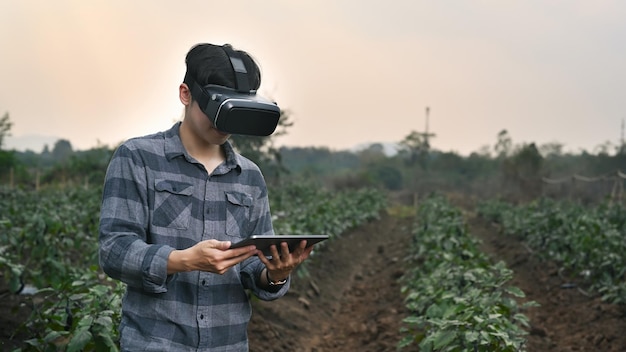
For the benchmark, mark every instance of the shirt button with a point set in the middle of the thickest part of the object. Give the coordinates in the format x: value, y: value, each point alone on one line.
x: 203, y: 283
x: 201, y: 316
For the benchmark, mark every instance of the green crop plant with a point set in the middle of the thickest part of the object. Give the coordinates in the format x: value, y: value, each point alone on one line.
x: 587, y: 242
x: 458, y: 299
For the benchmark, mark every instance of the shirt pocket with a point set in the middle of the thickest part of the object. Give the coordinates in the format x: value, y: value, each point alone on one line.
x: 238, y: 213
x: 172, y: 204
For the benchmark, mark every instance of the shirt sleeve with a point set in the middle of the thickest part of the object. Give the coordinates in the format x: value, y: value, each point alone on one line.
x: 124, y: 253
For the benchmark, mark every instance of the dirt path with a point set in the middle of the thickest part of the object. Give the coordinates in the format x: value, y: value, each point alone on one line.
x: 350, y: 302
x: 568, y: 319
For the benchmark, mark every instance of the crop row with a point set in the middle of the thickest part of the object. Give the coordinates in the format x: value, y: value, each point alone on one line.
x: 458, y: 299
x: 48, y: 241
x: 304, y: 208
x: 588, y: 242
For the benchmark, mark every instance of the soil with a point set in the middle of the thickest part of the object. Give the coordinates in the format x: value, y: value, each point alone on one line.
x: 350, y: 301
x: 351, y: 298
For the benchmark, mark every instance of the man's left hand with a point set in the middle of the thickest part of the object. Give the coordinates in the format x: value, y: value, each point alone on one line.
x: 282, y: 264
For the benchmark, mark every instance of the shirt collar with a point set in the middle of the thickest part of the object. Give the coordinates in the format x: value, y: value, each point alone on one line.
x: 173, y: 145
x: 174, y: 148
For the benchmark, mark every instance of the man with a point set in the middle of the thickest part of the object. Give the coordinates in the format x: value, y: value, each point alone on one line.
x: 173, y: 203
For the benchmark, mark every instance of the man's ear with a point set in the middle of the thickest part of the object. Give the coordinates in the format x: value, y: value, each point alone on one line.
x: 184, y: 94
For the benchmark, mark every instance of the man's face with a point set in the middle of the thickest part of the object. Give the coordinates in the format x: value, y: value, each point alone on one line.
x: 203, y: 126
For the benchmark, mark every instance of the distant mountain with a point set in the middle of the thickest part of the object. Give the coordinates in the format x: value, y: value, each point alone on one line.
x: 389, y: 149
x: 31, y: 142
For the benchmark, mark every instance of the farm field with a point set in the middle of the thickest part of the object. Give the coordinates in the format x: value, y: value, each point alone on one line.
x: 358, y: 308
x: 351, y: 299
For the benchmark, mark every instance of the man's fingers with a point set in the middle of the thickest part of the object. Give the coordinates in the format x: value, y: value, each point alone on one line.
x: 306, y: 253
x: 274, y: 252
x: 224, y: 245
x: 300, y: 249
x: 263, y: 258
x: 233, y: 260
x: 284, y: 250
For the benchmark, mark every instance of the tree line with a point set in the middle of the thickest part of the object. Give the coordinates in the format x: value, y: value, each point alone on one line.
x: 503, y: 169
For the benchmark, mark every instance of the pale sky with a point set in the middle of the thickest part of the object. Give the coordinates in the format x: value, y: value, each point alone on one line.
x: 348, y: 71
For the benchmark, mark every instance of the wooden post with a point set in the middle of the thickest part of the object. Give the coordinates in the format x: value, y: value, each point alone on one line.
x: 11, y: 176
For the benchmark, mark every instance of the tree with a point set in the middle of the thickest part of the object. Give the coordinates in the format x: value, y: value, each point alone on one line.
x: 7, y: 158
x: 504, y: 145
x: 7, y: 161
x: 5, y: 128
x: 388, y: 175
x: 554, y: 149
x: 523, y: 169
x: 373, y: 153
x: 416, y: 145
x: 62, y: 151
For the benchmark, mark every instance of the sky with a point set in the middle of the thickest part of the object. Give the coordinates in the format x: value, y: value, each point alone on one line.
x: 347, y: 72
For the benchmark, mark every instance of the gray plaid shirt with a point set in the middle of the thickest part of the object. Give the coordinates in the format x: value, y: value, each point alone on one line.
x: 157, y: 198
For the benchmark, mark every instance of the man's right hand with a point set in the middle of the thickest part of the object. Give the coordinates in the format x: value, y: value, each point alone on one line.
x: 210, y: 255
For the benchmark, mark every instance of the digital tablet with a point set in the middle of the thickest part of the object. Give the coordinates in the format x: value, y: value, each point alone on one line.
x: 264, y: 242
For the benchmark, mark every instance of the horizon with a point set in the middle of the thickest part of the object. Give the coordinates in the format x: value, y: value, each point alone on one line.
x: 37, y: 143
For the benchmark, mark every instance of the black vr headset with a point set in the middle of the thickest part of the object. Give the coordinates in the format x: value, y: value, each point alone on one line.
x: 236, y: 111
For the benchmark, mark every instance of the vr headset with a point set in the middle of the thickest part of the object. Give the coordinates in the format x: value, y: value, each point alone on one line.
x: 239, y: 110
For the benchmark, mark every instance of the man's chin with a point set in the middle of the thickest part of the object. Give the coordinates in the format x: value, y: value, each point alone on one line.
x: 220, y: 133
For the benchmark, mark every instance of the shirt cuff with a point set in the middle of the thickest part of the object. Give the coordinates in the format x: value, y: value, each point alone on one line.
x: 154, y: 267
x: 251, y: 280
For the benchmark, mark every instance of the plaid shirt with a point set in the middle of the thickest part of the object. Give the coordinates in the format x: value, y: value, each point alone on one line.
x: 156, y: 199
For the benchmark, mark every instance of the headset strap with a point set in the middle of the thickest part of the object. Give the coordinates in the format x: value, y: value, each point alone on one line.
x: 241, y: 74
x: 196, y: 90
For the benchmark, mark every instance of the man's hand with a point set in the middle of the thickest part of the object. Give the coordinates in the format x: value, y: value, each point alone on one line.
x: 210, y: 255
x: 281, y: 265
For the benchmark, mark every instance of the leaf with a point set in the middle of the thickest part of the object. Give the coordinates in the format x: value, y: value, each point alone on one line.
x: 434, y: 311
x: 515, y: 292
x: 443, y: 339
x: 521, y: 319
x: 105, y: 343
x: 99, y: 290
x: 32, y: 342
x: 471, y: 336
x: 78, y: 296
x: 412, y: 320
x: 80, y: 339
x: 53, y: 336
x: 406, y: 341
x: 86, y: 322
x: 494, y: 316
x: 104, y: 321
